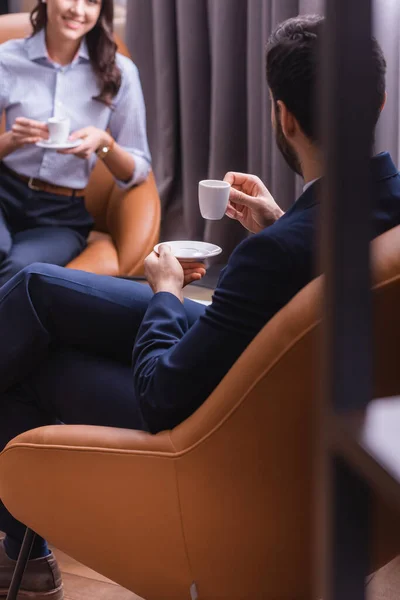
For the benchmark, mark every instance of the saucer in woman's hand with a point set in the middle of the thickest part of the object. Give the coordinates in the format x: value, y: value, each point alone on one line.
x: 48, y: 145
x: 190, y: 251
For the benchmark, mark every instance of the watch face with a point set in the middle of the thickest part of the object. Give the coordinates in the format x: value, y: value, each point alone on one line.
x: 101, y: 152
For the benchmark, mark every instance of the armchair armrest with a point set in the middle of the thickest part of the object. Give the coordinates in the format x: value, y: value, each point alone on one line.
x: 100, y: 256
x: 133, y: 220
x: 108, y: 497
x: 86, y: 437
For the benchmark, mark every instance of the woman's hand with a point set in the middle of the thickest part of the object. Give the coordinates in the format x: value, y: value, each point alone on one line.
x: 250, y: 202
x: 92, y: 139
x: 27, y: 131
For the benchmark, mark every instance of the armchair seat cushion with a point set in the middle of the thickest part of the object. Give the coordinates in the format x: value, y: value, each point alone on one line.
x: 100, y: 256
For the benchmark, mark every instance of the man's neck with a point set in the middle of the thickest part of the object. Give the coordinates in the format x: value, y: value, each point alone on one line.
x: 311, y: 168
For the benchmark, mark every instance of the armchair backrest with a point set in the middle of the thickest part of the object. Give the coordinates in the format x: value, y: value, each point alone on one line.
x: 244, y: 459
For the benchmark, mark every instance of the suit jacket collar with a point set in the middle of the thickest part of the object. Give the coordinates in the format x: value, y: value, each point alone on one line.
x: 382, y: 167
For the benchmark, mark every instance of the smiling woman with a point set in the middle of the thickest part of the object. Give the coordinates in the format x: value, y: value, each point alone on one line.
x: 66, y: 22
x: 119, y: 13
x: 68, y: 70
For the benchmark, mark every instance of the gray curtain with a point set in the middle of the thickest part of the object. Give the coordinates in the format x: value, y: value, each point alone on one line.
x: 20, y: 5
x: 387, y: 24
x: 202, y: 65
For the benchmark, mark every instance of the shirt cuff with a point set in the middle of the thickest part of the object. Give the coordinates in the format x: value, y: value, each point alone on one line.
x: 140, y: 174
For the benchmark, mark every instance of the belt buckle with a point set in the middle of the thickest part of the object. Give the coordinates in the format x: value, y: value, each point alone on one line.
x: 31, y: 186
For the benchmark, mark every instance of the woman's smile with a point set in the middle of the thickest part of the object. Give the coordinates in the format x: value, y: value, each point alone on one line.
x: 73, y: 23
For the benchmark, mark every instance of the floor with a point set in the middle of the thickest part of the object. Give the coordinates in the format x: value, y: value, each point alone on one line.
x: 81, y: 583
x: 198, y: 293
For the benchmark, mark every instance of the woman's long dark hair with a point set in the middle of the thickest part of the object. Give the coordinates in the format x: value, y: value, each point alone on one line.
x: 101, y: 46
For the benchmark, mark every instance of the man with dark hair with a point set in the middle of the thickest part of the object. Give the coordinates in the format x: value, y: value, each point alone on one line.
x: 96, y: 350
x: 292, y: 61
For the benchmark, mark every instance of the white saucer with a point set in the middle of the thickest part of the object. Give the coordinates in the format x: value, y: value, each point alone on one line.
x: 191, y: 251
x: 57, y: 146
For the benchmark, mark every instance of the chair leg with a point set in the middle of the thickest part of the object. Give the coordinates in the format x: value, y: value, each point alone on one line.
x: 22, y: 561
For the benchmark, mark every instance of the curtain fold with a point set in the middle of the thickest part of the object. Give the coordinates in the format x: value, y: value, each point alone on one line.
x: 202, y: 65
x: 386, y: 26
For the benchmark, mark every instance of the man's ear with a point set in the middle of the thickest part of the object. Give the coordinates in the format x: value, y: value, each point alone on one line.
x: 287, y: 120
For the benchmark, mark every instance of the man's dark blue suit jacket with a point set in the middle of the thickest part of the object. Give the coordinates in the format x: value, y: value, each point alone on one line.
x: 176, y: 367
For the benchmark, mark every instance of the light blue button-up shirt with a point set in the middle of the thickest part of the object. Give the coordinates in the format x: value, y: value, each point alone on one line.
x: 33, y: 86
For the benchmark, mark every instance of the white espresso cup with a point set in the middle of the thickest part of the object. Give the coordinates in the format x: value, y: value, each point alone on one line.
x: 59, y: 128
x: 213, y: 198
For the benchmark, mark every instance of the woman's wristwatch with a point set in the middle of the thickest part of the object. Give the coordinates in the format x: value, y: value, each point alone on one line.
x: 103, y: 150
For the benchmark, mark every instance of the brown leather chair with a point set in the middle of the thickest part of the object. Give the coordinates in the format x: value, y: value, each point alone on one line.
x: 224, y: 499
x: 127, y: 224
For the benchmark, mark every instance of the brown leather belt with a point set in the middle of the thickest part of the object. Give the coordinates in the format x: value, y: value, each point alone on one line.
x: 43, y: 186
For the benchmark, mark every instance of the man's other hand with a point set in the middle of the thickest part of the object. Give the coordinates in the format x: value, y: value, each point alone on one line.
x: 165, y: 273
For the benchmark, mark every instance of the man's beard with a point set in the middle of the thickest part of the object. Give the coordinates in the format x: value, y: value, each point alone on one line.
x: 287, y: 151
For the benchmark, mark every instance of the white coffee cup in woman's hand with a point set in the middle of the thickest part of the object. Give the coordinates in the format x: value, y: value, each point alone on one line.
x: 59, y: 129
x: 28, y: 131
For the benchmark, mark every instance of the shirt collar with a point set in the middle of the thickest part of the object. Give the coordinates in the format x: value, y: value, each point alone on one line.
x: 309, y: 184
x: 36, y: 47
x: 84, y: 50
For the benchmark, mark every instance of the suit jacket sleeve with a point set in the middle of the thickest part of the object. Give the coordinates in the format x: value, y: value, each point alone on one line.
x: 175, y: 367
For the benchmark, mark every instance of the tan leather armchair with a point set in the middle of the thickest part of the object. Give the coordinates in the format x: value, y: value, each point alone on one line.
x: 127, y: 224
x: 225, y: 499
